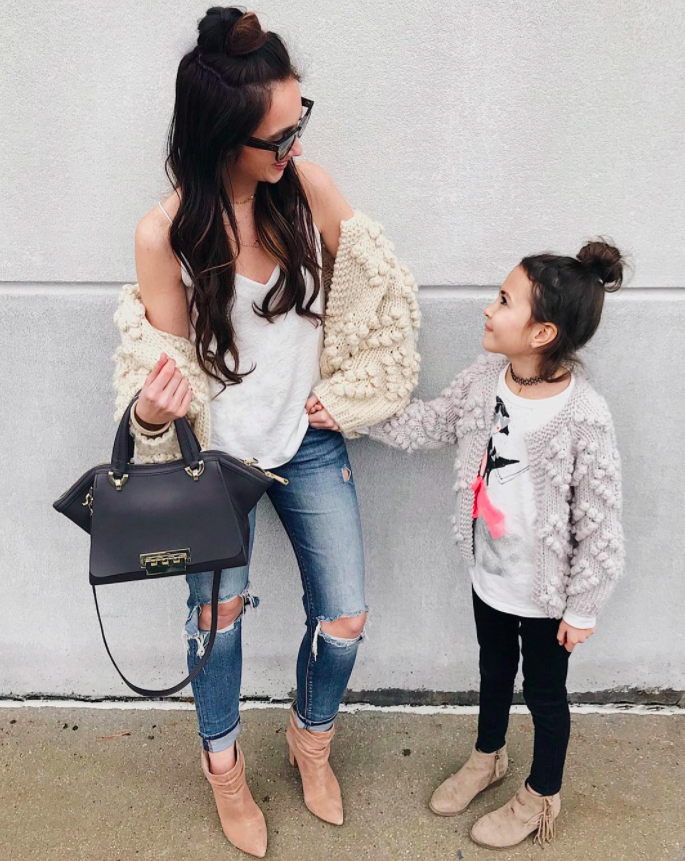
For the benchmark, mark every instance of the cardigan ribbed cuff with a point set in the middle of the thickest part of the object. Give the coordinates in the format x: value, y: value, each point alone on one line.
x: 350, y: 414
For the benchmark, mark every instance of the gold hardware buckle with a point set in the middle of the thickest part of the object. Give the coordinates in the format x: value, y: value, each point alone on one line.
x: 255, y: 463
x: 165, y: 561
x: 196, y: 473
x: 278, y: 478
x: 117, y: 482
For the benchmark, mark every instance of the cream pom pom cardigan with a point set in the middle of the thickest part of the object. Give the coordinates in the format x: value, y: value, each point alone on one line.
x: 369, y: 364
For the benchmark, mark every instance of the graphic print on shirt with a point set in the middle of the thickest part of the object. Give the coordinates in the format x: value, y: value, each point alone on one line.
x: 500, y: 465
x: 505, y: 538
x: 492, y: 460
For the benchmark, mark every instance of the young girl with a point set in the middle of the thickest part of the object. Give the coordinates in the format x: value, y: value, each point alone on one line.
x: 538, y: 517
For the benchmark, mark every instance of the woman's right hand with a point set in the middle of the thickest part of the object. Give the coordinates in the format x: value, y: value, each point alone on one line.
x: 165, y: 396
x: 319, y: 417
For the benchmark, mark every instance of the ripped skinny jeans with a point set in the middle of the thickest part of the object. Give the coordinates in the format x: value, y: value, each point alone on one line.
x: 319, y: 512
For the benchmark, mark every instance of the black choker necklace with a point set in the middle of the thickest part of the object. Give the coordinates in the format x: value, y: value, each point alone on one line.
x: 523, y: 381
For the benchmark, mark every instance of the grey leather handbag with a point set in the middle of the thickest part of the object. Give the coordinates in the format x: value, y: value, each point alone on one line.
x: 181, y: 517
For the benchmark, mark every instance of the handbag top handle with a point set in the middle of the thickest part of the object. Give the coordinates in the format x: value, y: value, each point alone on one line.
x: 123, y: 449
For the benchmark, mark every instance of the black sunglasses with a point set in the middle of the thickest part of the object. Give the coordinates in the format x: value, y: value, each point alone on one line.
x: 283, y: 146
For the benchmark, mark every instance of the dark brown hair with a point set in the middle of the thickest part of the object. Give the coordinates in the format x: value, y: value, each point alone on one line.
x: 223, y: 90
x: 569, y: 292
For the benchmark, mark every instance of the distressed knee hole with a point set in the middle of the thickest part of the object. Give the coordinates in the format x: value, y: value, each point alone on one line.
x: 343, y: 632
x: 227, y: 614
x: 346, y: 627
x: 346, y: 474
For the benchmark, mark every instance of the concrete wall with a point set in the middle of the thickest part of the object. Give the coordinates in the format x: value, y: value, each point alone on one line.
x: 475, y: 133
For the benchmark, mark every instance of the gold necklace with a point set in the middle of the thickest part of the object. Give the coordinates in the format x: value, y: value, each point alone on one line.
x: 247, y: 200
x: 254, y: 244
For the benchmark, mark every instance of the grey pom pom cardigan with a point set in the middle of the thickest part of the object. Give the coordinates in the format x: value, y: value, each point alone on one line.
x: 576, y: 471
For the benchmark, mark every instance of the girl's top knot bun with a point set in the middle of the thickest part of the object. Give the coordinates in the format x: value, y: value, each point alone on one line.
x: 230, y: 31
x: 604, y: 261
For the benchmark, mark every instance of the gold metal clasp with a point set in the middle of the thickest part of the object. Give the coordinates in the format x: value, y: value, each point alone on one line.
x: 278, y: 478
x: 255, y: 463
x: 196, y: 473
x: 117, y: 482
x: 89, y: 501
x: 166, y: 561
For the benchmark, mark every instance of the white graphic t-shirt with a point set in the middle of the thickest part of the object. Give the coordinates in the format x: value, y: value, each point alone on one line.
x: 504, y: 533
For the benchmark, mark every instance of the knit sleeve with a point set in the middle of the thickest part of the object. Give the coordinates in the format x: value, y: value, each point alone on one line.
x: 137, y: 353
x: 597, y: 560
x: 426, y: 424
x: 369, y: 363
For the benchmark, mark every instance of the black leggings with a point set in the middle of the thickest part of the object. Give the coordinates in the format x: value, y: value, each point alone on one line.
x: 545, y: 665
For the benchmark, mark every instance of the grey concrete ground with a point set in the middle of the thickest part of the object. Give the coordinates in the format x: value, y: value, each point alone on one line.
x: 68, y: 793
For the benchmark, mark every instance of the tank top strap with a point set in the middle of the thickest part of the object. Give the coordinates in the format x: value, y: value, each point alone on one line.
x: 159, y: 204
x: 185, y: 277
x: 319, y: 241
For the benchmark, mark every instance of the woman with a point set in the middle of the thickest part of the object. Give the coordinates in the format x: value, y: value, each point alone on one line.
x: 233, y: 338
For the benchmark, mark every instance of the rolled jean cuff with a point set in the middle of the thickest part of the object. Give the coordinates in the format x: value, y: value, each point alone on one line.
x: 319, y: 727
x: 224, y: 742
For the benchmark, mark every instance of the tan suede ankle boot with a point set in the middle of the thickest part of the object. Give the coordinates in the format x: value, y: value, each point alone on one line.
x: 309, y: 751
x: 242, y: 821
x: 518, y: 818
x: 480, y: 771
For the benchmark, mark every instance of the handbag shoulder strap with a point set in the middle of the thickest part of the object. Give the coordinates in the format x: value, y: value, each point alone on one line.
x: 208, y: 649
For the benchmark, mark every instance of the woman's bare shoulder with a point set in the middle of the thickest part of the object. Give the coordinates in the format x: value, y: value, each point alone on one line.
x: 154, y: 225
x: 159, y: 271
x: 318, y: 184
x: 328, y: 205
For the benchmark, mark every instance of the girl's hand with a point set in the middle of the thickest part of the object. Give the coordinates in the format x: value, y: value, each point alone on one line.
x: 319, y: 417
x: 166, y: 394
x: 570, y: 637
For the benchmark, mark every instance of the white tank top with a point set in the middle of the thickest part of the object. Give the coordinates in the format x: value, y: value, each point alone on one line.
x: 264, y: 416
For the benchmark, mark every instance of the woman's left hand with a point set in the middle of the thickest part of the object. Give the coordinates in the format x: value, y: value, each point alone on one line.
x: 570, y: 637
x: 319, y: 417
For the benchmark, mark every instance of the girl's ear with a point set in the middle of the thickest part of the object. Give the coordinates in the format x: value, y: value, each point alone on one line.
x: 543, y: 334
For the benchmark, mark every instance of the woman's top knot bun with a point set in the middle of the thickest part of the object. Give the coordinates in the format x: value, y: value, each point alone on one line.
x: 603, y: 261
x: 246, y: 36
x: 230, y: 31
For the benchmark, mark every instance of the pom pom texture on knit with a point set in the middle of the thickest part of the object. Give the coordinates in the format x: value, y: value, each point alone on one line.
x: 576, y: 470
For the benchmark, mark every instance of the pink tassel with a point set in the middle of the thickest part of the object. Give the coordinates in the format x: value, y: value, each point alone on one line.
x: 482, y: 506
